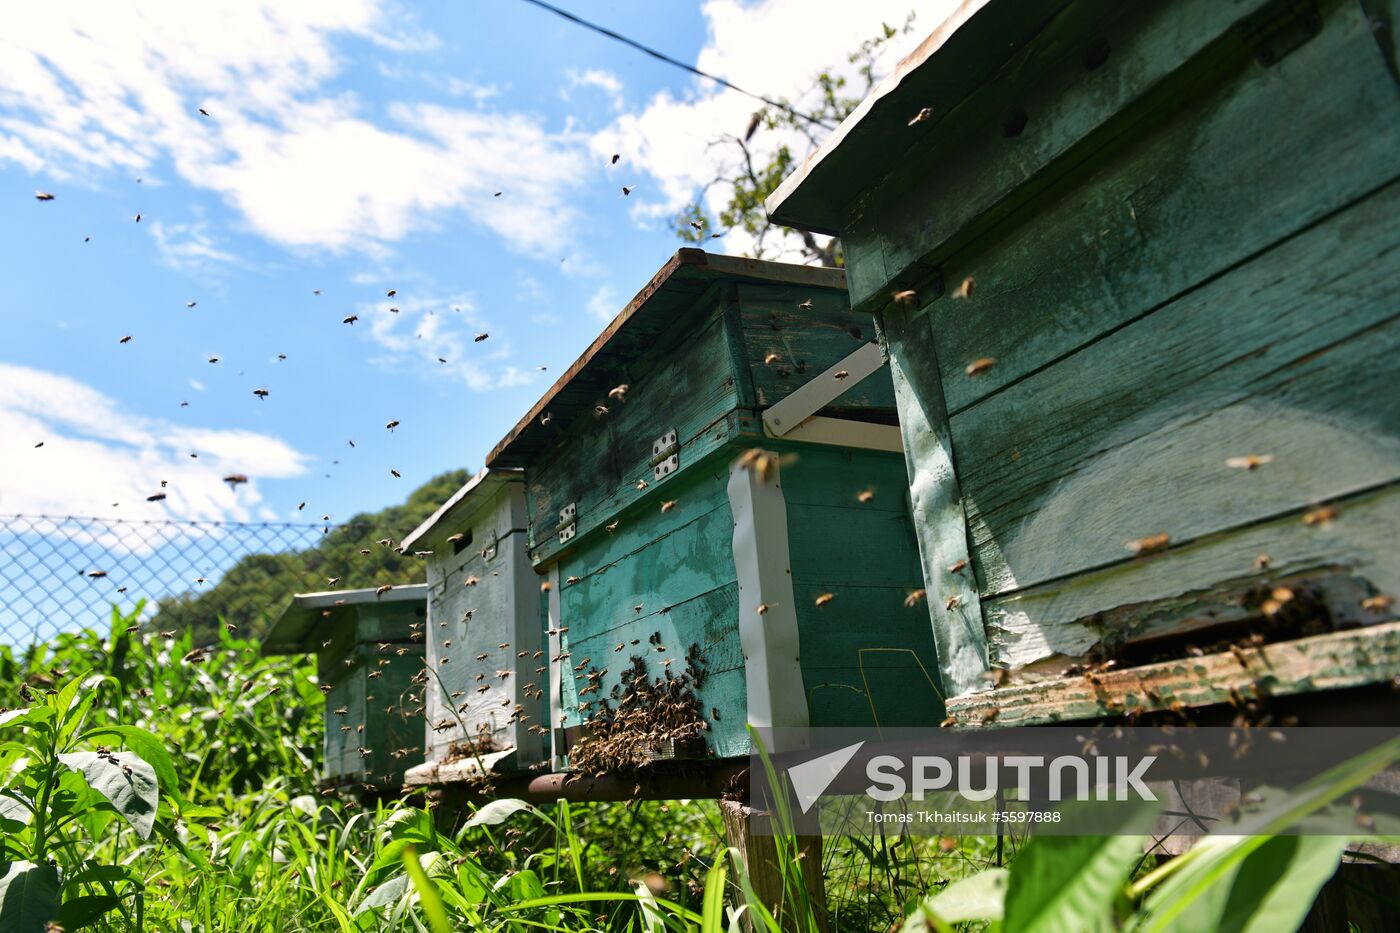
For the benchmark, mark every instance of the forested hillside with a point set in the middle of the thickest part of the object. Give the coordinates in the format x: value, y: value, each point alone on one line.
x: 256, y: 588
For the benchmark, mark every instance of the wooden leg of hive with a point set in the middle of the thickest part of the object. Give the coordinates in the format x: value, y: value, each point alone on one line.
x: 1360, y: 896
x: 750, y: 835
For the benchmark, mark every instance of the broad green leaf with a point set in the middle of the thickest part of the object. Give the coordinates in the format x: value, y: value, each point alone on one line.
x: 76, y: 712
x: 135, y: 795
x: 14, y: 811
x: 387, y: 893
x: 1071, y: 882
x: 78, y: 912
x: 28, y: 896
x: 26, y: 716
x: 1191, y: 875
x: 151, y: 749
x: 1272, y: 889
x: 526, y: 885
x: 498, y: 810
x: 980, y: 897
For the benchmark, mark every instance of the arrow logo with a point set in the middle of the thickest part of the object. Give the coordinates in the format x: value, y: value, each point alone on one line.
x: 811, y: 778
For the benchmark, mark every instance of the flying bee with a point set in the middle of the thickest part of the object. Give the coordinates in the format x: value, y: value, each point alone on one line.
x: 925, y: 113
x: 957, y: 567
x: 351, y: 319
x: 391, y: 425
x: 1248, y: 461
x: 979, y: 366
x: 1320, y: 516
x: 618, y: 393
x: 381, y: 590
x: 952, y: 603
x: 824, y: 599
x: 964, y: 290
x: 343, y: 711
x: 610, y: 528
x: 1150, y: 544
x: 668, y: 505
x: 905, y: 297
x: 865, y: 495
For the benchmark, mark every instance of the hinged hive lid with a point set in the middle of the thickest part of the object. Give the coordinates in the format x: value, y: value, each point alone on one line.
x: 310, y: 617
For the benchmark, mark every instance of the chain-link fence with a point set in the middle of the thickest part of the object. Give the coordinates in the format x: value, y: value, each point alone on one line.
x: 62, y: 573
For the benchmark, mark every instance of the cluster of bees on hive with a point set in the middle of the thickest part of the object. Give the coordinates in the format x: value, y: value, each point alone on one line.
x: 642, y: 715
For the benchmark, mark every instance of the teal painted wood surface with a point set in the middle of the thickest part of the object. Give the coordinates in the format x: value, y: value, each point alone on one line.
x: 1183, y: 252
x: 1133, y: 435
x: 787, y: 342
x: 1165, y: 209
x: 604, y: 457
x: 632, y: 574
x: 380, y: 717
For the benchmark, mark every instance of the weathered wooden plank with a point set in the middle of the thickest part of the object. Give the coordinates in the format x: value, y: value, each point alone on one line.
x: 940, y: 524
x: 1163, y: 208
x: 706, y: 621
x: 1333, y: 661
x: 787, y: 344
x: 1179, y: 592
x: 601, y: 459
x: 1132, y: 436
x: 754, y: 852
x: 673, y: 564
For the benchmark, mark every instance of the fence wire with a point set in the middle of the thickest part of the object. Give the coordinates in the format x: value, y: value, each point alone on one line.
x: 63, y: 573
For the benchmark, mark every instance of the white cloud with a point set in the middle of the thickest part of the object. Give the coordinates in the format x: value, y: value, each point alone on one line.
x: 188, y: 247
x: 96, y: 453
x: 602, y: 304
x: 104, y: 85
x: 424, y: 332
x: 605, y: 81
x: 771, y: 47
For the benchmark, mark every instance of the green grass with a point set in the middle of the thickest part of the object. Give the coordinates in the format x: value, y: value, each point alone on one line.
x: 250, y: 844
x: 218, y: 825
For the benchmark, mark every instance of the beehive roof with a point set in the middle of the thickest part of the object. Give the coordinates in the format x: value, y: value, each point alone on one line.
x: 965, y: 49
x: 293, y: 630
x: 459, y: 504
x: 672, y: 291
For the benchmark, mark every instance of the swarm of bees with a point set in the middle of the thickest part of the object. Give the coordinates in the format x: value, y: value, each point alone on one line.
x: 642, y: 717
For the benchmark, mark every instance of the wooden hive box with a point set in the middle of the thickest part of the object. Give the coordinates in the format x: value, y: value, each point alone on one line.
x: 1136, y: 269
x: 373, y: 732
x: 484, y: 699
x: 683, y: 580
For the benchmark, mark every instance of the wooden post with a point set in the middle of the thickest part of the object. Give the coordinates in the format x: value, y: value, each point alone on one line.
x: 757, y: 850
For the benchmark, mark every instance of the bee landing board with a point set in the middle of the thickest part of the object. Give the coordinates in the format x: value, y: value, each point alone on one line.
x: 1136, y: 271
x: 484, y: 702
x: 369, y: 649
x: 685, y: 593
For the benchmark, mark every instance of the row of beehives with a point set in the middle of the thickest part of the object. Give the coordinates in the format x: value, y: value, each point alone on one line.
x: 1135, y: 271
x: 703, y: 524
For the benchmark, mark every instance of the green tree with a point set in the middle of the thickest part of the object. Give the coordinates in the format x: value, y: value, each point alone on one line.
x: 776, y: 140
x: 361, y: 552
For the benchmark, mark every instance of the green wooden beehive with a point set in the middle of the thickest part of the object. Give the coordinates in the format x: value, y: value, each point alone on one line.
x: 484, y: 697
x: 369, y: 650
x: 1136, y: 270
x: 717, y: 507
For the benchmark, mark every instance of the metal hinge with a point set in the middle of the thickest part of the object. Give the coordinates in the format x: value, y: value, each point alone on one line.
x: 1280, y: 28
x: 665, y: 455
x: 567, y: 524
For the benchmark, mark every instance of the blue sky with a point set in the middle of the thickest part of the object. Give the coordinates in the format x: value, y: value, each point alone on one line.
x: 353, y: 147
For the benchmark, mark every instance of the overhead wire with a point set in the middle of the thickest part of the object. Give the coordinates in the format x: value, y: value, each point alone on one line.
x: 662, y: 56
